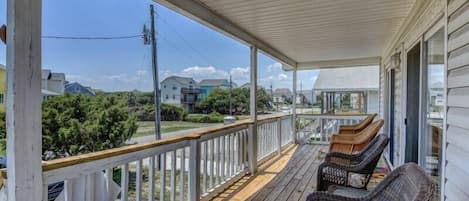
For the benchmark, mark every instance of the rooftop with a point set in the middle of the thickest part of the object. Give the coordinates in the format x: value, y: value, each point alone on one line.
x: 348, y: 79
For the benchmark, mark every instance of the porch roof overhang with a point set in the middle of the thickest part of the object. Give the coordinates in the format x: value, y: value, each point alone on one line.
x: 305, y: 34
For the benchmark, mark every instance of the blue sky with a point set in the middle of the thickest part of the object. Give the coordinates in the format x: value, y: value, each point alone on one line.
x: 185, y: 47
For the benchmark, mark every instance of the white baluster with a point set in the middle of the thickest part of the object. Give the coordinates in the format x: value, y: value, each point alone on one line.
x: 173, y: 176
x: 124, y: 182
x: 138, y: 182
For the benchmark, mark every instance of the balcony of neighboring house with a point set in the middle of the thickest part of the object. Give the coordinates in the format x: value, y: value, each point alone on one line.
x: 421, y: 90
x: 189, y: 97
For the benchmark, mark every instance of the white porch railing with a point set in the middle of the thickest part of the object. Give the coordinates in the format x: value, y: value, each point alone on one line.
x: 192, y: 167
x: 272, y: 134
x: 319, y: 128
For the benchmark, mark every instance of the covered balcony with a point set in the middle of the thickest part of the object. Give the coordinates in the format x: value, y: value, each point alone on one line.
x: 267, y: 157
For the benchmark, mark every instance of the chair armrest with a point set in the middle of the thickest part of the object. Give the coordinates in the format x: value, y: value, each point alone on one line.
x: 346, y: 136
x: 342, y: 156
x: 347, y: 191
x: 347, y: 129
x: 324, y: 196
x: 340, y: 140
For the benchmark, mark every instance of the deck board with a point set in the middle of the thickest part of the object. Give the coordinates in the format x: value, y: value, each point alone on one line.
x: 291, y: 176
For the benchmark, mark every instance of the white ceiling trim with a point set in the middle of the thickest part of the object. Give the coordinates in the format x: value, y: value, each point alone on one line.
x: 338, y: 63
x: 197, y: 11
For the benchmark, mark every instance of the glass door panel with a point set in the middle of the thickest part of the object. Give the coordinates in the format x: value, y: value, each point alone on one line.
x: 433, y: 105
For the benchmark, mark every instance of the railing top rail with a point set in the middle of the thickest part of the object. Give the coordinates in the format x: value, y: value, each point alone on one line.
x: 333, y: 116
x: 94, y: 156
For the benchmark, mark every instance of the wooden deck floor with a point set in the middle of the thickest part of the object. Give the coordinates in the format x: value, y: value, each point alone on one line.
x: 290, y: 176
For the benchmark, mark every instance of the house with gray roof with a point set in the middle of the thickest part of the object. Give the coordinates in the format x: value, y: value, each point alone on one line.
x: 207, y: 85
x: 359, y: 84
x: 77, y: 88
x: 282, y: 95
x: 53, y: 84
x: 180, y: 91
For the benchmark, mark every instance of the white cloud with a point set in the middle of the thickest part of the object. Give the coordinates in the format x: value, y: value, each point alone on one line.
x: 274, y: 67
x: 240, y: 75
x: 140, y: 79
x: 282, y: 76
x: 142, y: 72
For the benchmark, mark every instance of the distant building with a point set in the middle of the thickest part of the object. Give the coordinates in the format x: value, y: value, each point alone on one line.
x: 77, y: 88
x: 207, y: 85
x: 181, y: 91
x: 53, y: 84
x: 360, y: 85
x: 281, y: 95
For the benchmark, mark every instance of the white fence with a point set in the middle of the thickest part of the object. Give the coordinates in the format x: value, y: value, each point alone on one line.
x: 191, y: 167
x: 319, y: 128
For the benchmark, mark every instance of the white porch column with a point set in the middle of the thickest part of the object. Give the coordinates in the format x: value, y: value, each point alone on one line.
x: 295, y: 80
x: 252, y: 138
x: 23, y: 103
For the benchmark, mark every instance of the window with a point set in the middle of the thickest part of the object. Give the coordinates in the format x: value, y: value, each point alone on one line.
x: 1, y: 98
x: 433, y: 104
x: 167, y: 97
x: 174, y: 97
x: 164, y: 86
x: 175, y: 87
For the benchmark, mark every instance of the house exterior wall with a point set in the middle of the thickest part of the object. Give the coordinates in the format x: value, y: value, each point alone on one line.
x: 171, y: 92
x: 456, y: 170
x: 455, y: 174
x: 424, y: 14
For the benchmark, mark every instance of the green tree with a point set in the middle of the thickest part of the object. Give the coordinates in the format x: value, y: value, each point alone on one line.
x: 76, y: 124
x: 219, y: 101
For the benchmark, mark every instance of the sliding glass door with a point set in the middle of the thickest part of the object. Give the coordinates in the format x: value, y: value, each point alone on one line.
x: 432, y: 104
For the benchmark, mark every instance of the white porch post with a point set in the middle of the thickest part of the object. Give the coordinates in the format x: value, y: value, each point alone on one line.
x: 252, y: 138
x: 294, y: 106
x: 23, y: 103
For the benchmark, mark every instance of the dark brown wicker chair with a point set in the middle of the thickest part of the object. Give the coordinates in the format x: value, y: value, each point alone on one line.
x: 338, y: 167
x: 350, y: 143
x: 356, y: 128
x: 406, y: 183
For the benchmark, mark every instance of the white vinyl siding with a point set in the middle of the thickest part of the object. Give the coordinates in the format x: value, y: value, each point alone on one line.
x: 457, y: 134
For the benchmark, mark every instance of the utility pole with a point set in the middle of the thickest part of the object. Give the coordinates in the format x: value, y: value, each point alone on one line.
x: 231, y: 96
x: 156, y: 82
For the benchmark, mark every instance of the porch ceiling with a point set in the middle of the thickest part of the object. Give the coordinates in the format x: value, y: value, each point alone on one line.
x: 313, y: 33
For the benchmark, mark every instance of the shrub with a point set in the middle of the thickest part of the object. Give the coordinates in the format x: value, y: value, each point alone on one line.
x: 172, y: 113
x: 213, y: 117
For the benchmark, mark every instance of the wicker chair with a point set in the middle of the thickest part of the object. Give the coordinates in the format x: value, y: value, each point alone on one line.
x: 339, y: 167
x: 356, y: 128
x: 406, y: 183
x: 350, y: 143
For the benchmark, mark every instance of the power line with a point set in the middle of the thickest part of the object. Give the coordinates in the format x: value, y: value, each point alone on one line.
x: 186, y: 42
x: 93, y: 37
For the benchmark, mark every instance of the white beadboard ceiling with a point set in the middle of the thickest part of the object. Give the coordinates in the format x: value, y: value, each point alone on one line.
x: 317, y: 30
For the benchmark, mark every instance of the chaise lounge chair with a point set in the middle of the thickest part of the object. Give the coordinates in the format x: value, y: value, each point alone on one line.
x: 406, y: 183
x: 350, y: 143
x: 351, y: 170
x: 356, y: 128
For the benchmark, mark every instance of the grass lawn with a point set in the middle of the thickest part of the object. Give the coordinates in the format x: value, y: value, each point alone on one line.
x: 148, y: 127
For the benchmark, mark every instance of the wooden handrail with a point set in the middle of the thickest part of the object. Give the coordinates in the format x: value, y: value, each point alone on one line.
x: 94, y: 156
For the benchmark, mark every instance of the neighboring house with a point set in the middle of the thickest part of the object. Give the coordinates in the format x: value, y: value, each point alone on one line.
x: 3, y: 78
x: 77, y: 88
x: 53, y: 84
x: 206, y: 86
x: 361, y: 84
x: 305, y: 97
x: 180, y: 91
x: 281, y: 95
